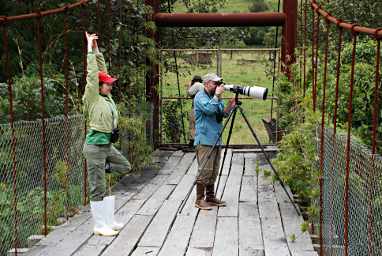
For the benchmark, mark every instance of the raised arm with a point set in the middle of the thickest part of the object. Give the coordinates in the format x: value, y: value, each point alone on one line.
x: 99, y: 57
x: 92, y: 82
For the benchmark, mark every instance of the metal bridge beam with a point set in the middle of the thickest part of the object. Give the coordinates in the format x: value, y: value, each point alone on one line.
x: 219, y: 19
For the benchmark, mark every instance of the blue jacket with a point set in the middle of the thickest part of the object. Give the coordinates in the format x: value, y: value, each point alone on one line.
x: 206, y: 109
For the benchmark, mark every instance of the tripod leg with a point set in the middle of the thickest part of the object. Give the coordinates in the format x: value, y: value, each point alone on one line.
x: 226, y: 148
x: 268, y: 160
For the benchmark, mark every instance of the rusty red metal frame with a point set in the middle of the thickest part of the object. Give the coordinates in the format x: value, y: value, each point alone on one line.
x: 43, y: 13
x: 219, y: 19
x: 348, y: 26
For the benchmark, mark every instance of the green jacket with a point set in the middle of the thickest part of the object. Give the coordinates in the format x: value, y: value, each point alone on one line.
x: 98, y: 109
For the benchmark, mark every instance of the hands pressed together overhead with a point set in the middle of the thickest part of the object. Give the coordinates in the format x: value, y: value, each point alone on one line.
x: 92, y: 42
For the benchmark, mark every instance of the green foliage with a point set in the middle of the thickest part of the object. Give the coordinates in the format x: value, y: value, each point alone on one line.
x: 363, y: 95
x: 26, y: 90
x: 204, y: 5
x: 133, y: 142
x: 259, y: 6
x: 30, y: 212
x: 366, y: 12
x: 257, y: 35
x: 297, y: 159
x: 171, y: 121
x: 304, y: 227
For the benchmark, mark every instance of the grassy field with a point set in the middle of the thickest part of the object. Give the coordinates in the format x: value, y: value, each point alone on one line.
x: 231, y: 6
x: 245, y: 69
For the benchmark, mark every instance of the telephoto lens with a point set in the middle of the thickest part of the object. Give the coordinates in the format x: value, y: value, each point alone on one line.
x: 256, y: 92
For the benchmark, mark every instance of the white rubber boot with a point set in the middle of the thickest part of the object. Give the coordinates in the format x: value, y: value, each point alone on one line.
x: 98, y: 211
x: 110, y: 221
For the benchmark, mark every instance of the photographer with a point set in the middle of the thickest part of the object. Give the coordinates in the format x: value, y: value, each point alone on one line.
x: 209, y: 113
x: 102, y: 116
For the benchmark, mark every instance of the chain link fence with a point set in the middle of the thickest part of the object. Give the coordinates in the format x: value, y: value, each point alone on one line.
x: 22, y: 189
x: 364, y: 198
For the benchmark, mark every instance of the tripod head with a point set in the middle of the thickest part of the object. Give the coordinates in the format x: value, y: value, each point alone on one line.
x: 237, y: 101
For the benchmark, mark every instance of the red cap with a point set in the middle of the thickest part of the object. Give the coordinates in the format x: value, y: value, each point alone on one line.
x: 105, y: 78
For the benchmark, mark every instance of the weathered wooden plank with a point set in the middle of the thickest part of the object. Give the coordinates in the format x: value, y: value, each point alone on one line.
x: 204, y: 230
x: 146, y: 251
x: 232, y: 188
x: 250, y: 235
x: 199, y: 251
x: 181, y: 169
x: 179, y: 236
x: 220, y: 186
x: 227, y: 237
x: 274, y: 239
x: 194, y: 168
x: 250, y: 164
x: 248, y: 191
x: 128, y: 238
x: 172, y: 162
x: 231, y: 196
x: 180, y: 192
x: 189, y: 207
x: 227, y: 162
x: 153, y: 204
x: 151, y: 187
x: 281, y: 195
x: 57, y: 235
x: 157, y: 231
x: 292, y: 226
x: 273, y: 234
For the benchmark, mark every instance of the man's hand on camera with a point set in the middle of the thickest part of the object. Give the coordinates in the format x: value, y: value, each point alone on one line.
x: 219, y: 91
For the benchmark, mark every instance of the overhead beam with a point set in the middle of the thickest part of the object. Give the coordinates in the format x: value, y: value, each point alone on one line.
x: 219, y: 19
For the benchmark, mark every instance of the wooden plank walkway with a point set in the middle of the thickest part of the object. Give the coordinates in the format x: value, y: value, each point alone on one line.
x: 258, y: 219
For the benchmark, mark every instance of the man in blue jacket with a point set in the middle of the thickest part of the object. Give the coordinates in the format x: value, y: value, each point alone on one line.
x: 209, y: 113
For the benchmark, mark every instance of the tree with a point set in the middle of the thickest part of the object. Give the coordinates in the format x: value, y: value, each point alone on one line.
x: 366, y: 12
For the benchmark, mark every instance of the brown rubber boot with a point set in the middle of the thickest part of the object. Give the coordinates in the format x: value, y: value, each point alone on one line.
x: 211, y: 198
x: 200, y: 202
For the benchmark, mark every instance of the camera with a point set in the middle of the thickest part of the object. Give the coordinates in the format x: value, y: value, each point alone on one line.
x: 251, y: 91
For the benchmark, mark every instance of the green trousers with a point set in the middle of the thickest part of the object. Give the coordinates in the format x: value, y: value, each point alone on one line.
x: 208, y: 168
x: 96, y: 157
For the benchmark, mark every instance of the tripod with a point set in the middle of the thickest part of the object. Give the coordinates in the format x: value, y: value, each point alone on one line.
x: 217, y: 144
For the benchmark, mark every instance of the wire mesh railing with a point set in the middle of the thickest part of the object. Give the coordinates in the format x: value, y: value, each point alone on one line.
x: 365, y: 194
x: 27, y: 200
